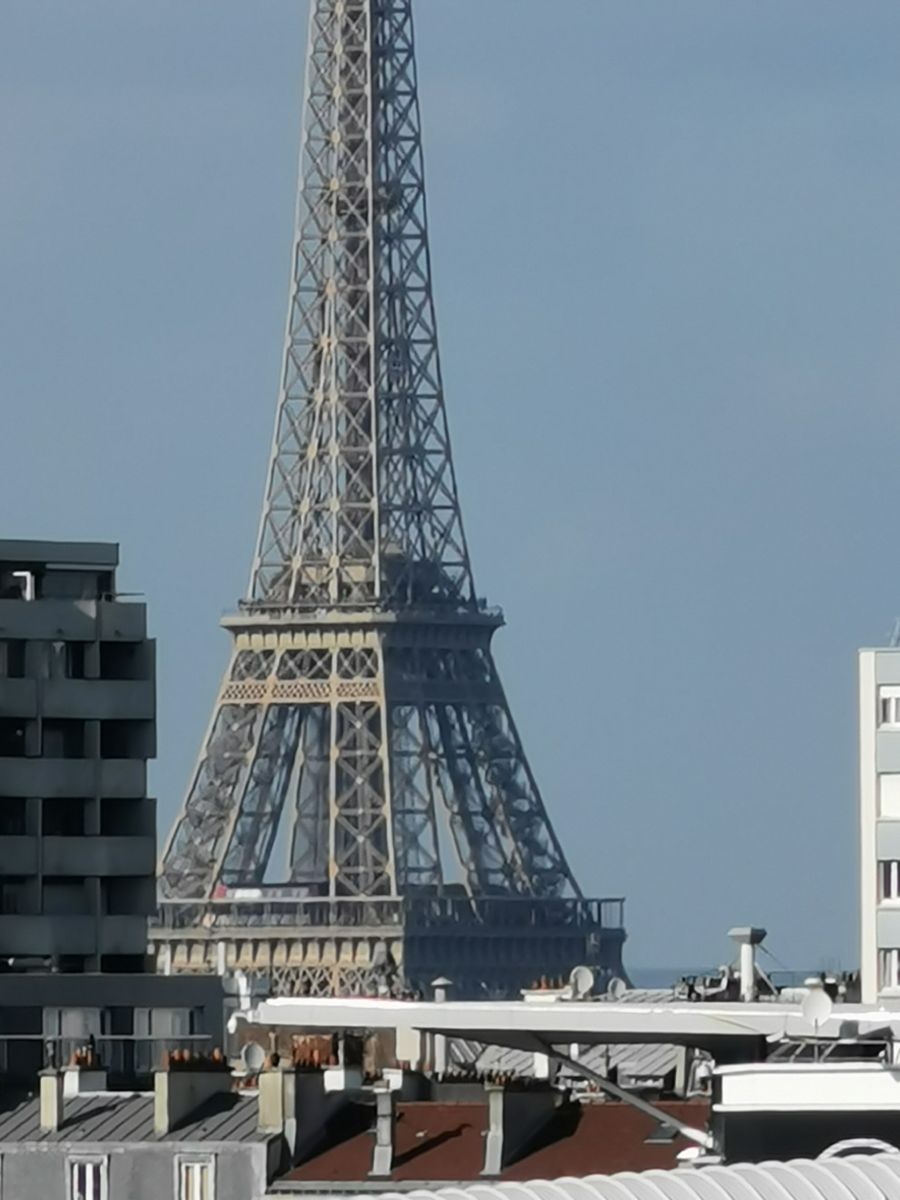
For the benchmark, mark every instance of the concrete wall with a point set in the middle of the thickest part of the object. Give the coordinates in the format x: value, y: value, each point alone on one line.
x: 140, y: 1171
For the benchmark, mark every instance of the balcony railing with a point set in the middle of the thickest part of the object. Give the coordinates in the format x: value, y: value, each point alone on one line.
x: 419, y: 914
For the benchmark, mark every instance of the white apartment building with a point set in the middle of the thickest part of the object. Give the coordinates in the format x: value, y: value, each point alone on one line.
x: 879, y: 793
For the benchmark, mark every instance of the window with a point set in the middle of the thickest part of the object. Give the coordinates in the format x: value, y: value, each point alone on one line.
x: 63, y: 816
x: 87, y: 1179
x: 124, y: 739
x: 889, y: 969
x: 12, y: 659
x: 13, y: 814
x: 17, y: 896
x: 77, y: 1024
x: 889, y: 796
x: 196, y: 1178
x: 65, y: 897
x: 63, y: 738
x: 12, y: 737
x: 65, y: 660
x: 124, y: 660
x: 128, y: 895
x: 889, y: 880
x: 16, y: 585
x: 889, y: 707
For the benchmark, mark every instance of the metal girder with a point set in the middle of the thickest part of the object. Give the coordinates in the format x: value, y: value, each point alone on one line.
x: 362, y: 708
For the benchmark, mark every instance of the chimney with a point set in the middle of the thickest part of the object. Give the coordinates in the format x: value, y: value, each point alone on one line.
x: 439, y: 1047
x: 80, y: 1081
x: 276, y: 1099
x: 748, y: 938
x: 177, y: 1094
x: 385, y: 1119
x: 51, y: 1099
x: 515, y: 1119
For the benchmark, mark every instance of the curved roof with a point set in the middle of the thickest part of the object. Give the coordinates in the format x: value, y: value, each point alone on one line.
x: 857, y: 1177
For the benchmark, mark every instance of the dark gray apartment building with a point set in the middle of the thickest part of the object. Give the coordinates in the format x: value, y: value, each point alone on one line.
x: 77, y: 828
x: 77, y: 726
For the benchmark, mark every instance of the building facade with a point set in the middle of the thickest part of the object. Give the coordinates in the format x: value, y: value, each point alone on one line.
x: 879, y: 814
x: 191, y: 1138
x: 77, y: 726
x: 77, y: 828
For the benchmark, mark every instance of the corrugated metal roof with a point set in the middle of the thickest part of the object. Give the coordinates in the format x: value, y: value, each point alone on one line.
x: 640, y: 996
x: 859, y: 1177
x: 463, y: 1052
x: 128, y: 1117
x: 648, y: 1060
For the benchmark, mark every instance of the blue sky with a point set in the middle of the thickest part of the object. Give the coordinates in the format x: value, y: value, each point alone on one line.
x: 667, y: 265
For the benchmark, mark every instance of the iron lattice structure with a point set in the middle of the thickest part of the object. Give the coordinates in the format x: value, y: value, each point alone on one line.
x: 361, y: 703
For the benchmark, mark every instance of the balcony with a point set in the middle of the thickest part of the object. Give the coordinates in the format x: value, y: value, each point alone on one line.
x: 42, y: 936
x: 18, y: 856
x: 123, y: 778
x: 99, y: 699
x: 73, y: 620
x: 123, y: 935
x: 104, y: 856
x: 18, y: 698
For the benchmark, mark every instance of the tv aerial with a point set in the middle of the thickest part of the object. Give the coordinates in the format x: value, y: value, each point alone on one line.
x: 253, y: 1057
x: 581, y: 982
x: 616, y: 988
x: 816, y: 1010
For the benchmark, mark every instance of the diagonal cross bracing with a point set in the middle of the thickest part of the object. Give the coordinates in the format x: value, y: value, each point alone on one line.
x: 361, y: 709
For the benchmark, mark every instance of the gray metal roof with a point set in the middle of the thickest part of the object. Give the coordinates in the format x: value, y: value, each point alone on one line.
x: 652, y: 1060
x: 640, y: 996
x: 858, y: 1177
x: 128, y: 1117
x: 647, y: 1060
x: 462, y: 1052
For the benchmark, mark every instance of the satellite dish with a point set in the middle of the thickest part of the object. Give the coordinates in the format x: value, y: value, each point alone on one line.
x: 817, y: 1008
x: 253, y: 1057
x: 581, y: 981
x: 616, y: 988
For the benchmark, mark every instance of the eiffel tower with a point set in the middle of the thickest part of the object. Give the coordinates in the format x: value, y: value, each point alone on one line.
x: 361, y: 724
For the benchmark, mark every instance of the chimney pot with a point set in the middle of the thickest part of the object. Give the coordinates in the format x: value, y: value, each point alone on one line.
x: 51, y: 1099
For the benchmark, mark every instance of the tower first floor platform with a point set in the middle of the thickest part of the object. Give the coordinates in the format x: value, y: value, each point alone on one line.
x: 487, y: 946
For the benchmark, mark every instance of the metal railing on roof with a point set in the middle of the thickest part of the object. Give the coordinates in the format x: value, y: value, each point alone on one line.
x: 417, y: 913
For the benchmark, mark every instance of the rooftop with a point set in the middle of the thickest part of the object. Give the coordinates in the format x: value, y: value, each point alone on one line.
x: 875, y: 1177
x: 444, y: 1142
x: 128, y: 1117
x: 26, y: 552
x: 534, y: 1026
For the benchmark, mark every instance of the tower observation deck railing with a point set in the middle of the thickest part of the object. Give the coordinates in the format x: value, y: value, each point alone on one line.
x: 418, y: 914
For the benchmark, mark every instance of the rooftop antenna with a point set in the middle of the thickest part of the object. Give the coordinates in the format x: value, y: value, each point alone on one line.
x: 253, y: 1058
x: 816, y: 1010
x: 616, y: 988
x: 581, y: 982
x: 894, y: 639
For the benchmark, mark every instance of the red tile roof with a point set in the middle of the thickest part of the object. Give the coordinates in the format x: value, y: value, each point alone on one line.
x: 438, y: 1142
x: 600, y: 1139
x: 441, y: 1142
